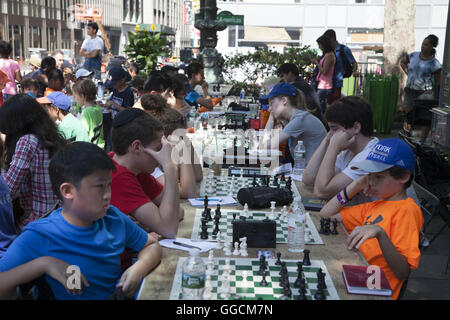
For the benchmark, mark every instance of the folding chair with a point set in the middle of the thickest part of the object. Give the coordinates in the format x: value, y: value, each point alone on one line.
x: 430, y: 206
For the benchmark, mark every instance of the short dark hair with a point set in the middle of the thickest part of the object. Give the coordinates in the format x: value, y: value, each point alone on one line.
x: 54, y: 53
x: 400, y: 173
x: 5, y: 48
x: 194, y: 68
x: 87, y: 88
x: 93, y: 25
x: 326, y: 43
x: 331, y: 34
x: 348, y: 110
x: 130, y: 125
x: 167, y: 69
x: 288, y: 67
x: 29, y: 83
x: 157, y: 81
x: 48, y: 62
x: 76, y: 161
x: 55, y: 74
x: 134, y: 67
x: 434, y: 40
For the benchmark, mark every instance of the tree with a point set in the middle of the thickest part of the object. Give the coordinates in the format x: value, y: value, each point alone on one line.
x: 255, y: 66
x: 145, y: 47
x: 399, y: 19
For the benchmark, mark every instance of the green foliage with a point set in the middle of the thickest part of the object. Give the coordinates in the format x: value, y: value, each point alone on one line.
x: 144, y: 48
x: 255, y: 66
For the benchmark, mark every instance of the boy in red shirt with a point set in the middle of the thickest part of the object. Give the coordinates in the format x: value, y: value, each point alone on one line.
x: 138, y: 147
x: 385, y: 231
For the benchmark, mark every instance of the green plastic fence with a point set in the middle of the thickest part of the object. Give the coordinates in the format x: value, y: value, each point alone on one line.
x: 382, y: 92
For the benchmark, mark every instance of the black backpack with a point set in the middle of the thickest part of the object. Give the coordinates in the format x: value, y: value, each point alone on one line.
x: 348, y: 68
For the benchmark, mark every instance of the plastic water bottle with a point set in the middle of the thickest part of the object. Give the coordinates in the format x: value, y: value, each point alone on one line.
x: 100, y: 92
x: 193, y: 278
x: 242, y: 94
x: 299, y: 158
x: 191, y: 117
x: 296, y: 227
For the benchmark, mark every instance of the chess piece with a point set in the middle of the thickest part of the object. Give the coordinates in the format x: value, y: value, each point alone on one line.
x: 334, y: 231
x: 306, y: 259
x: 278, y: 262
x: 245, y: 212
x: 254, y: 184
x: 236, y: 249
x: 307, y: 236
x: 263, y: 282
x: 234, y: 215
x: 322, y: 226
x: 217, y: 211
x: 216, y: 228
x: 204, y: 233
x: 243, y: 251
x: 272, y: 208
x: 320, y: 295
x: 218, y: 237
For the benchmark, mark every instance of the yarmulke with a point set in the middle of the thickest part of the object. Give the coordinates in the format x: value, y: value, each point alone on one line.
x: 126, y: 116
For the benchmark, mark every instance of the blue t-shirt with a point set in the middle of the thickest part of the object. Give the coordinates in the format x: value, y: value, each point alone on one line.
x: 8, y: 230
x: 124, y: 99
x: 191, y: 96
x: 338, y: 75
x: 95, y: 250
x: 420, y: 72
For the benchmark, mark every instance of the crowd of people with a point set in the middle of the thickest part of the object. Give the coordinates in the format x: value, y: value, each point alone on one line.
x: 89, y: 179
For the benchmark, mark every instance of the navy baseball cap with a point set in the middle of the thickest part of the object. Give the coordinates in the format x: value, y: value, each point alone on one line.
x: 281, y: 89
x: 386, y: 154
x: 116, y: 74
x: 58, y: 99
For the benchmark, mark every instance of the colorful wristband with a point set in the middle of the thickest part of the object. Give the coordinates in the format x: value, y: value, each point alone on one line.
x: 341, y: 201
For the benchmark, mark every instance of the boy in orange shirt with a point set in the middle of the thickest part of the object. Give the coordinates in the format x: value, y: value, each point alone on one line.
x: 385, y: 231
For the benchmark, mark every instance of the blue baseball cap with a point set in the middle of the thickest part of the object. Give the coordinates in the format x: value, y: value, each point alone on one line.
x: 386, y: 154
x: 58, y: 99
x: 281, y: 89
x: 116, y: 74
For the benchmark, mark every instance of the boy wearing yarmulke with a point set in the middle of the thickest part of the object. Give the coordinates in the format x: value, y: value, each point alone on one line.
x: 385, y: 231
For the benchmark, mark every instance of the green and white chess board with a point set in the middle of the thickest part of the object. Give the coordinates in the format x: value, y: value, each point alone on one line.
x: 220, y: 186
x: 244, y: 280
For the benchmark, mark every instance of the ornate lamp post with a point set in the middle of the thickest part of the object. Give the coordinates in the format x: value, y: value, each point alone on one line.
x: 208, y: 26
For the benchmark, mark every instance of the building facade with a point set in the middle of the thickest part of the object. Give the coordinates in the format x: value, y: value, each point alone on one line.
x: 169, y: 16
x: 36, y: 24
x: 359, y: 24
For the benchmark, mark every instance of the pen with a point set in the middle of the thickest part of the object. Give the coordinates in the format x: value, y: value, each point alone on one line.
x: 186, y: 245
x: 212, y: 199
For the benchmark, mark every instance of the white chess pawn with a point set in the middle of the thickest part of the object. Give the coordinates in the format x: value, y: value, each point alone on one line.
x: 244, y: 277
x: 218, y: 245
x: 236, y: 249
x: 272, y: 208
x: 245, y: 212
x: 243, y: 251
x: 307, y: 235
x: 207, y: 294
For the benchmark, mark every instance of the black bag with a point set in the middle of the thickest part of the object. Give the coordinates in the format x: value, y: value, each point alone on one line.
x: 432, y: 166
x: 348, y: 68
x: 260, y: 197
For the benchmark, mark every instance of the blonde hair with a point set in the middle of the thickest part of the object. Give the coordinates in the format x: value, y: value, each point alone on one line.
x: 299, y: 101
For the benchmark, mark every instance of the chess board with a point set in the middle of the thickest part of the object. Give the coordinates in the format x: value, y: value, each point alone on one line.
x: 221, y: 186
x: 226, y: 227
x: 245, y: 280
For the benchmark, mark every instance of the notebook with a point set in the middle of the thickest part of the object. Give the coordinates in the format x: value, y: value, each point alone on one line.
x: 355, y: 280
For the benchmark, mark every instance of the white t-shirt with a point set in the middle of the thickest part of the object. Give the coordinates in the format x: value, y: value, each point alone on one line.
x: 346, y: 159
x: 90, y: 44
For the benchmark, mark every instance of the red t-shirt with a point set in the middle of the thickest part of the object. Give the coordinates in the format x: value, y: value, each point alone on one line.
x: 129, y: 192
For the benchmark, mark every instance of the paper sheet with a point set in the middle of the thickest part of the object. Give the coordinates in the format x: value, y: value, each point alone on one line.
x: 214, y: 201
x: 204, y: 246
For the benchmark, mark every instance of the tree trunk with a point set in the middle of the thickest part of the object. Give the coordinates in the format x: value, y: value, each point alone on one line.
x: 399, y: 19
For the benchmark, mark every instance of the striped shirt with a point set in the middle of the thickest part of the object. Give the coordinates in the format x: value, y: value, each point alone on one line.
x: 28, y: 179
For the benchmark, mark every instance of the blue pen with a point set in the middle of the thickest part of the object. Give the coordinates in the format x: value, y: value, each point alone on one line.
x: 212, y: 199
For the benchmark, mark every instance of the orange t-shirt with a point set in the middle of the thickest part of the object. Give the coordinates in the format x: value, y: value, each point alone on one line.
x: 401, y: 220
